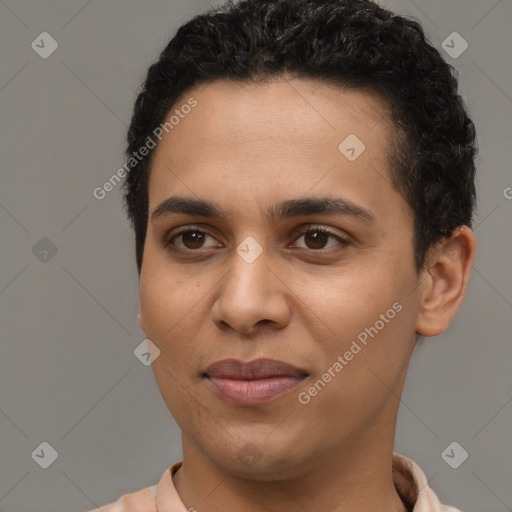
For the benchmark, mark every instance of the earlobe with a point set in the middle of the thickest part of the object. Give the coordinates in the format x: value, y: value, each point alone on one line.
x: 140, y: 319
x: 445, y: 281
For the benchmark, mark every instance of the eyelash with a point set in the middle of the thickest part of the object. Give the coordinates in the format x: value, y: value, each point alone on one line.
x: 168, y: 244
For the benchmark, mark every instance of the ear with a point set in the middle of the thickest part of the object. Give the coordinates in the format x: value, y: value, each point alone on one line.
x: 140, y: 318
x: 445, y: 280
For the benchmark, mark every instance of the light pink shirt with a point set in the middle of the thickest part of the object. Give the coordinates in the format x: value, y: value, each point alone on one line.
x: 410, y: 483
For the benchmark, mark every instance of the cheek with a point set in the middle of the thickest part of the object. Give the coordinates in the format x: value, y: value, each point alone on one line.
x: 370, y: 317
x: 351, y: 297
x: 169, y: 312
x: 174, y: 311
x: 164, y: 299
x: 359, y: 380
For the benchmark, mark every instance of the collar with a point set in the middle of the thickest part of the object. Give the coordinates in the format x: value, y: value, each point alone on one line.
x: 410, y: 483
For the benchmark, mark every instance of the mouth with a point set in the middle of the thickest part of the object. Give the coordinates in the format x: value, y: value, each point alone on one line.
x: 254, y: 382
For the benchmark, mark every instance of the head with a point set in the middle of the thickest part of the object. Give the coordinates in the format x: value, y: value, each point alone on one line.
x: 279, y: 105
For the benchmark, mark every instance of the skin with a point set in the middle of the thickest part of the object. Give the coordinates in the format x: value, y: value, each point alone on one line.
x: 302, y: 301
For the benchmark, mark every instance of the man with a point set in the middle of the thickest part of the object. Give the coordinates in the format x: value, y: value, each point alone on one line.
x: 302, y: 212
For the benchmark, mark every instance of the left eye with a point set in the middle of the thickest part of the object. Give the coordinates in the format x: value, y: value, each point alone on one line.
x: 318, y: 237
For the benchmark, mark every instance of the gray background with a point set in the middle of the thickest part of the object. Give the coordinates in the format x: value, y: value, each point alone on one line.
x: 68, y: 375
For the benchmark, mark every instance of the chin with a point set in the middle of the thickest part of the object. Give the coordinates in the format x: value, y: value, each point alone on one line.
x: 263, y: 461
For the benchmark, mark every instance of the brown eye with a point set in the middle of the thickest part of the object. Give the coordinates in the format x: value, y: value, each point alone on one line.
x: 316, y: 238
x: 192, y: 240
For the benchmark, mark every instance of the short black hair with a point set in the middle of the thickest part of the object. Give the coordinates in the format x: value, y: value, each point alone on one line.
x: 355, y: 44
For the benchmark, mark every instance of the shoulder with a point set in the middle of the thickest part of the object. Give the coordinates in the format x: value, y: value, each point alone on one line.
x: 142, y: 500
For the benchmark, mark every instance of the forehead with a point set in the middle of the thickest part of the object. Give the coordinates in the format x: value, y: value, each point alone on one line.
x: 286, y: 109
x: 261, y: 142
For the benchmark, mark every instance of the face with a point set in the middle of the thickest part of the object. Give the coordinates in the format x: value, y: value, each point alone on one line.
x: 304, y: 256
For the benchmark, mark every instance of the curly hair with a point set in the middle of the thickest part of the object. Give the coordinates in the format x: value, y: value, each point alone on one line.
x: 354, y: 44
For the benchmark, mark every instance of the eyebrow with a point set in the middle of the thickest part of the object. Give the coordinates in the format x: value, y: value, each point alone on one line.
x: 277, y: 212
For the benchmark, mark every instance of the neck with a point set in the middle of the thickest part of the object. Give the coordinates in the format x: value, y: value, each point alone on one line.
x: 358, y: 477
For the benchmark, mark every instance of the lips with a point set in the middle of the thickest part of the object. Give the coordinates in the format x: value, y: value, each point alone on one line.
x: 254, y: 382
x: 257, y: 369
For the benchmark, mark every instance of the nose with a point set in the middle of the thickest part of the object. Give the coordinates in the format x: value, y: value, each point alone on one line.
x: 251, y: 295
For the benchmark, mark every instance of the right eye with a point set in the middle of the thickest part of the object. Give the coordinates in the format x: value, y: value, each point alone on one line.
x: 192, y: 239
